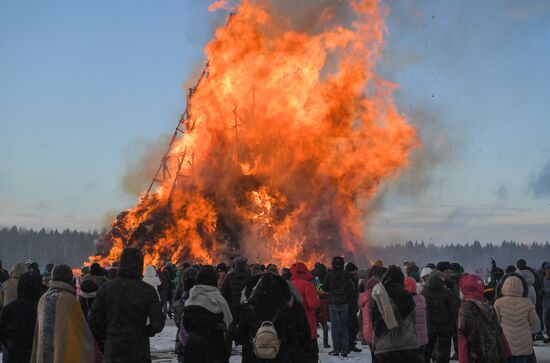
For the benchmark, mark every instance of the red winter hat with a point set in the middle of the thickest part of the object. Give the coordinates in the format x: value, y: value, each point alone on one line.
x: 472, y: 287
x: 410, y: 285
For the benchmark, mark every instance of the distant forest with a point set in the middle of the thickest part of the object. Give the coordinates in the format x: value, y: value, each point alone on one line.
x: 74, y: 247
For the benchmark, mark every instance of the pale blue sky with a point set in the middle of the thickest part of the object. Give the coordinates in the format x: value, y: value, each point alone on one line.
x: 84, y: 84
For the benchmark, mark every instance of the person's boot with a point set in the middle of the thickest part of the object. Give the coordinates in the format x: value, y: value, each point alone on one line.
x: 355, y: 349
x: 334, y: 353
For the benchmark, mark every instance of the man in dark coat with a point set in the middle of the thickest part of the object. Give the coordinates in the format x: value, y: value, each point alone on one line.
x: 118, y: 317
x: 231, y: 290
x: 442, y: 314
x: 19, y: 318
x: 341, y: 292
x: 353, y: 308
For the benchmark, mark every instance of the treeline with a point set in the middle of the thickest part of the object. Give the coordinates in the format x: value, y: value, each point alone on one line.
x: 74, y: 247
x: 45, y: 246
x: 470, y: 255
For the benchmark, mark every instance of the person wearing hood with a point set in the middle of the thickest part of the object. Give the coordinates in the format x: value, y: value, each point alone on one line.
x: 393, y: 313
x: 126, y: 312
x: 340, y: 291
x: 232, y: 287
x: 8, y: 293
x: 517, y: 317
x: 61, y: 333
x: 301, y: 279
x: 530, y: 280
x: 206, y: 317
x: 89, y: 285
x: 546, y: 299
x: 424, y: 277
x: 18, y: 319
x: 442, y: 313
x: 270, y: 299
x: 364, y: 302
x: 187, y: 281
x: 150, y: 277
x: 480, y: 337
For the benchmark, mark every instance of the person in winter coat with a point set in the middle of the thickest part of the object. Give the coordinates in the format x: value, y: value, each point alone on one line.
x: 165, y: 290
x: 364, y: 302
x: 270, y: 299
x: 341, y: 292
x: 392, y: 310
x: 421, y: 323
x: 442, y: 314
x: 424, y: 277
x: 89, y: 285
x: 150, y: 277
x: 126, y: 312
x: 480, y: 337
x: 18, y: 320
x: 4, y: 275
x: 61, y: 333
x: 546, y: 298
x: 8, y: 293
x: 353, y: 322
x: 518, y: 319
x: 301, y: 279
x: 231, y: 289
x: 529, y: 278
x: 206, y: 317
x: 320, y: 271
x: 188, y: 278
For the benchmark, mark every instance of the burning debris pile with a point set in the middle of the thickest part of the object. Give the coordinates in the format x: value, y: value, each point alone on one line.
x: 287, y: 137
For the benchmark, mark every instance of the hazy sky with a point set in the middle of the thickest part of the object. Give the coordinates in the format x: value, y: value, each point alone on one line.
x: 86, y: 86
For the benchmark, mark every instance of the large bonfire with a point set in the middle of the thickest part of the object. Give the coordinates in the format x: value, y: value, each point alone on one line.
x: 288, y: 136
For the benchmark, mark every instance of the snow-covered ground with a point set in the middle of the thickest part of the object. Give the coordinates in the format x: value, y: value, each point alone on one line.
x: 162, y: 348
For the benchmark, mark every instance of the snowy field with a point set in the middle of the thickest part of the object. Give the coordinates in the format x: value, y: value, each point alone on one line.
x: 162, y: 348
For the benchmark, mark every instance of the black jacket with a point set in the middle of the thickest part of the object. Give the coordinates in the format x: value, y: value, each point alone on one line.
x: 4, y: 275
x: 118, y: 317
x: 340, y: 288
x: 205, y: 342
x: 18, y: 320
x: 232, y: 288
x: 441, y: 307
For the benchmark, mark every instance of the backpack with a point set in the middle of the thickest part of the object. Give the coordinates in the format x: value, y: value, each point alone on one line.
x: 266, y: 343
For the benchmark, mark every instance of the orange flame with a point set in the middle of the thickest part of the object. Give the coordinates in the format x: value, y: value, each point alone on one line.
x: 289, y: 136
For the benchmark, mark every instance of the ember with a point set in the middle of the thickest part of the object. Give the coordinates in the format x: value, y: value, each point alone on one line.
x: 287, y: 136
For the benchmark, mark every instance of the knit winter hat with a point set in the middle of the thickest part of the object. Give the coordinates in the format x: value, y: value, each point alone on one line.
x: 426, y: 271
x: 207, y: 276
x: 443, y: 266
x: 62, y: 273
x: 472, y: 287
x: 410, y: 285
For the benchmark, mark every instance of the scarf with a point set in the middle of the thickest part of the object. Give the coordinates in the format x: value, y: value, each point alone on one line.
x: 210, y: 298
x: 383, y: 301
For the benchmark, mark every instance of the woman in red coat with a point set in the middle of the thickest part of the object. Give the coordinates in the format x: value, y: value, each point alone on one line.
x: 301, y: 278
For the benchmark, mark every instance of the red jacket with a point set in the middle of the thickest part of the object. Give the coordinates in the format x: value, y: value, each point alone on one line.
x: 301, y: 278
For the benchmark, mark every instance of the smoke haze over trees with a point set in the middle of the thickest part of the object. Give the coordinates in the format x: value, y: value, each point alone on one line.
x: 73, y: 247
